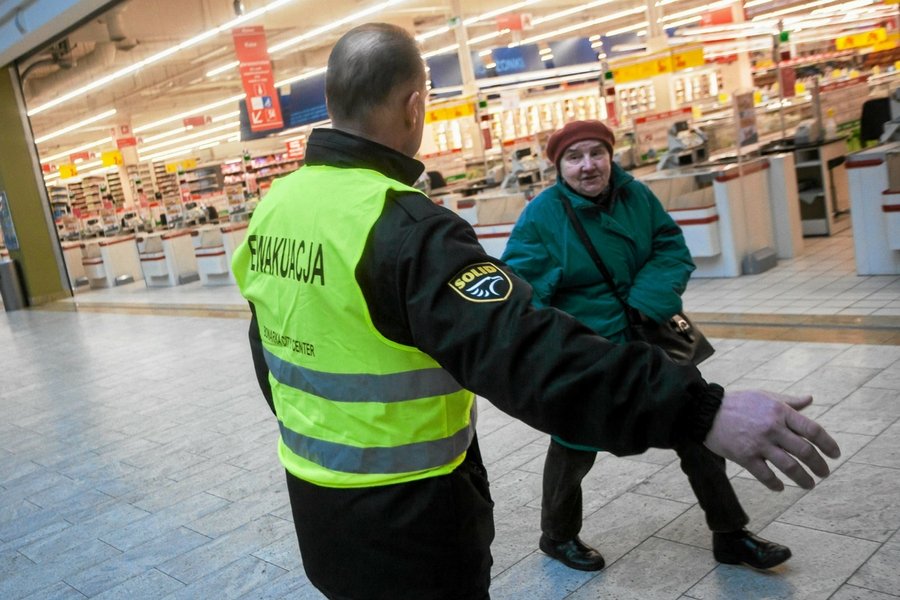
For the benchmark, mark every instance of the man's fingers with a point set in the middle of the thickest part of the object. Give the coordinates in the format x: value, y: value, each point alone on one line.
x: 805, y: 452
x: 814, y: 432
x: 786, y: 463
x: 760, y: 470
x: 796, y: 402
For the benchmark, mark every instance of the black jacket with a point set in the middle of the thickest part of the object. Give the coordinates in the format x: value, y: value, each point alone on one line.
x: 540, y: 366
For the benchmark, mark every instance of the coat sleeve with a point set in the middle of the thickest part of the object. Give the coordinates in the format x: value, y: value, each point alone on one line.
x: 259, y: 359
x: 529, y: 258
x: 538, y: 365
x: 659, y: 284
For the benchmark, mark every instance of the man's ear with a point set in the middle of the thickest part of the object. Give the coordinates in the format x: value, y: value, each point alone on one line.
x: 411, y: 109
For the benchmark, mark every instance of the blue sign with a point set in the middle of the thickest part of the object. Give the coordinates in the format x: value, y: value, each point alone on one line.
x: 444, y: 70
x: 303, y: 105
x: 517, y: 60
x: 573, y: 51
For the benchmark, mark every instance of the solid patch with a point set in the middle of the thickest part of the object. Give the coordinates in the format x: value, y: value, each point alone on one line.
x: 482, y: 282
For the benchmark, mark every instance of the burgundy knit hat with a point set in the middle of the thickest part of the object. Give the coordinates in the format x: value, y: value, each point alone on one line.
x: 578, y: 131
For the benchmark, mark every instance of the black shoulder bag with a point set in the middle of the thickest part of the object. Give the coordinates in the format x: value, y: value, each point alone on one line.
x: 680, y: 339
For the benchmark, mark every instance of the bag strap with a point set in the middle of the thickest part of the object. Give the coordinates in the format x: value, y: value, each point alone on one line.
x: 595, y: 256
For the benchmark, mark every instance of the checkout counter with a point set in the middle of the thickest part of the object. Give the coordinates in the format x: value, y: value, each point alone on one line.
x: 214, y: 246
x: 821, y: 182
x: 72, y: 255
x: 725, y: 212
x: 167, y: 258
x: 874, y: 176
x: 111, y: 261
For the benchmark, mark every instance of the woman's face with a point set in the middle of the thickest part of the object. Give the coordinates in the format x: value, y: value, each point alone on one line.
x: 585, y: 166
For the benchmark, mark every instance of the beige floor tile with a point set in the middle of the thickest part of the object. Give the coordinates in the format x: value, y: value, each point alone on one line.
x: 857, y: 500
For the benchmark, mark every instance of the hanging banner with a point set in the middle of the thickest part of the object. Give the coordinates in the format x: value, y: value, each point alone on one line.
x: 263, y: 106
x: 859, y: 40
x: 649, y: 66
x: 447, y: 113
x: 68, y: 171
x: 111, y: 158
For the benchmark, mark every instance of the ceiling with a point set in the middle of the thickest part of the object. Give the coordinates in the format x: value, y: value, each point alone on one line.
x: 138, y: 30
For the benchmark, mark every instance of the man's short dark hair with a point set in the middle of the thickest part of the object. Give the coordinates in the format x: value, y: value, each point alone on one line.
x: 365, y: 65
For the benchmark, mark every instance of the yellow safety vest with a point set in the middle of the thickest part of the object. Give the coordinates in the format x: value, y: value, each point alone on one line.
x: 354, y: 408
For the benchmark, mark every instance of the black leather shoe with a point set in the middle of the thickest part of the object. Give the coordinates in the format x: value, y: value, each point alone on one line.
x: 742, y: 547
x: 574, y: 553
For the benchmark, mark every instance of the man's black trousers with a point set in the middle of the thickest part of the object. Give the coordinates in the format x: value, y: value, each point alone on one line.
x: 425, y: 540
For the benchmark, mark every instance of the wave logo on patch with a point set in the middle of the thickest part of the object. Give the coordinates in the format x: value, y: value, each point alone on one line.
x: 482, y: 282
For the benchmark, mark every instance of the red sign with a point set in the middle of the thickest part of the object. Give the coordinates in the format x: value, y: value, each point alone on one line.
x: 720, y: 16
x: 125, y: 142
x: 295, y: 149
x: 263, y: 107
x: 197, y: 121
x: 76, y: 156
x: 514, y: 21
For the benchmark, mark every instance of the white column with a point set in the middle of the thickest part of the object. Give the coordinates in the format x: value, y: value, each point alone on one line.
x: 465, y: 57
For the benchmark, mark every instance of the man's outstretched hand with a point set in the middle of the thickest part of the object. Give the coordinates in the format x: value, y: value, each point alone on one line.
x: 755, y: 427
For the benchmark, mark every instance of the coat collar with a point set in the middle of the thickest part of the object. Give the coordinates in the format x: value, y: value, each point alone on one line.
x: 337, y: 148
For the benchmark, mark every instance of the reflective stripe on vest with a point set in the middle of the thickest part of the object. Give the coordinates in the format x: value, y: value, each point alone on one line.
x: 418, y: 456
x: 340, y: 387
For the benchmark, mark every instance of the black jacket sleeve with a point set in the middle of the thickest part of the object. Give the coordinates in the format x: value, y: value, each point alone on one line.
x: 539, y: 365
x: 259, y: 359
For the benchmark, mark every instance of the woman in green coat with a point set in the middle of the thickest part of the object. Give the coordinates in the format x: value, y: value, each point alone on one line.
x: 645, y: 252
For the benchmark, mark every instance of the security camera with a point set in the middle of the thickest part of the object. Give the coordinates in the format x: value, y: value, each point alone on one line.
x: 238, y: 7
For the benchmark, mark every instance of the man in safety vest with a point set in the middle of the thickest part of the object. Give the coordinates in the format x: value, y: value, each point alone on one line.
x: 377, y: 317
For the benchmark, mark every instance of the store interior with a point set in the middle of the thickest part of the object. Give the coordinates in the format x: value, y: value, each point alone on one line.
x: 155, y: 149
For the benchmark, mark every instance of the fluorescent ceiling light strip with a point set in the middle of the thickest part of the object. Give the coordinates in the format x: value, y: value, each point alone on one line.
x: 176, y: 131
x: 500, y: 11
x: 231, y: 125
x: 785, y: 11
x: 569, y: 11
x: 208, y: 145
x: 82, y: 148
x: 627, y: 28
x: 687, y: 21
x: 612, y: 17
x: 222, y: 68
x: 75, y: 126
x: 163, y: 135
x: 473, y: 20
x: 88, y: 165
x: 169, y: 155
x: 186, y: 147
x: 312, y: 33
x: 156, y: 57
x: 189, y: 113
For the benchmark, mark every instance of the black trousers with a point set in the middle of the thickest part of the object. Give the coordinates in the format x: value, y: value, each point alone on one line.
x: 565, y: 468
x: 423, y: 540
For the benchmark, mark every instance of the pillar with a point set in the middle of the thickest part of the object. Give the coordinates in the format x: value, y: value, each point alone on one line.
x: 39, y: 254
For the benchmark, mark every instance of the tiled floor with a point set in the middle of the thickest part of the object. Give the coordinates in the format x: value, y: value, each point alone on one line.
x: 137, y: 458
